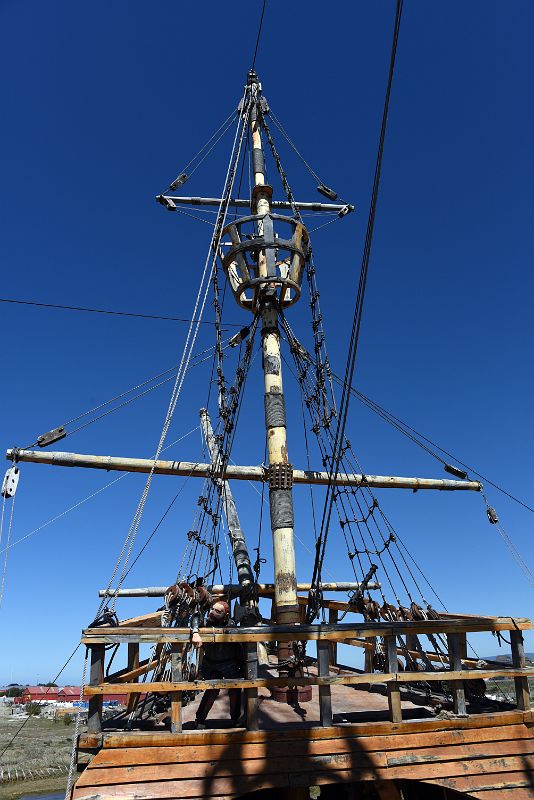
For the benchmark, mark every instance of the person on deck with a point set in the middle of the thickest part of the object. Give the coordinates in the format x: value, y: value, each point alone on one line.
x: 220, y: 660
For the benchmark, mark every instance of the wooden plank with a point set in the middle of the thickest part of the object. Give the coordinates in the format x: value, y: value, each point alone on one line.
x: 133, y: 667
x: 325, y: 698
x: 212, y: 783
x: 333, y: 619
x: 127, y: 675
x: 288, y: 633
x: 394, y: 701
x: 518, y: 660
x: 415, y: 651
x: 507, y: 784
x: 152, y: 620
x: 97, y: 776
x: 465, y: 752
x: 508, y: 792
x: 406, y: 728
x: 350, y: 679
x: 251, y: 695
x: 418, y: 744
x: 456, y: 646
x: 96, y: 676
x: 176, y: 697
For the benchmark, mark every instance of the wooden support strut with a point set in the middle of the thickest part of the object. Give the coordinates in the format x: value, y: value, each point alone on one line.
x: 456, y: 645
x: 96, y: 677
x: 518, y: 660
x: 234, y: 472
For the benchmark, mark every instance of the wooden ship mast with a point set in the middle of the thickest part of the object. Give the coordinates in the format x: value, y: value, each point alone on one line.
x: 414, y: 723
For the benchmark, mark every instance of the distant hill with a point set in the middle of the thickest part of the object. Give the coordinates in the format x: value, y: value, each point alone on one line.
x: 529, y: 657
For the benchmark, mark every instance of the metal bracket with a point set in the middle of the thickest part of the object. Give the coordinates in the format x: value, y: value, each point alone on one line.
x: 51, y: 436
x: 280, y: 476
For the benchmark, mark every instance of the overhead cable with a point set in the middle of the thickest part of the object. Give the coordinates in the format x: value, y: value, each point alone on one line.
x: 111, y: 312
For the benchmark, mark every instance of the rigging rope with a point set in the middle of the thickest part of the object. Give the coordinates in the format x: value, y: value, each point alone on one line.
x: 7, y: 543
x: 111, y: 312
x: 187, y: 351
x: 358, y: 311
x: 90, y: 496
x: 258, y: 36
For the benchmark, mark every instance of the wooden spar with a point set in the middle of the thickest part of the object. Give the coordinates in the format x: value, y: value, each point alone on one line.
x: 263, y: 589
x: 233, y: 472
x: 280, y: 483
x: 237, y: 537
x: 243, y: 203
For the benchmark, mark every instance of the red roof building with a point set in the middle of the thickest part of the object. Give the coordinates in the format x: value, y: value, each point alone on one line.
x: 68, y: 694
x: 32, y: 693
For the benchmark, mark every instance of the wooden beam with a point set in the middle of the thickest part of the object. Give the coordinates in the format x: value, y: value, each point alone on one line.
x: 234, y: 589
x: 289, y: 633
x: 518, y: 660
x: 164, y: 687
x: 394, y: 700
x: 251, y: 694
x: 456, y: 645
x: 333, y: 619
x: 176, y: 697
x: 234, y: 472
x: 431, y: 656
x: 239, y: 202
x: 323, y: 668
x: 96, y: 676
x: 133, y: 667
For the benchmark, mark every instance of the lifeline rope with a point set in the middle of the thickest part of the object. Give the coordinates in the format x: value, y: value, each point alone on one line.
x: 7, y: 543
x: 186, y: 355
x: 76, y: 730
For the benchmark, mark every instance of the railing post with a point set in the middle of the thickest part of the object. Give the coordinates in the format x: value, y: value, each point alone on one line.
x: 457, y: 648
x: 176, y: 697
x: 522, y: 692
x: 96, y: 677
x: 394, y: 700
x: 251, y: 695
x: 333, y: 618
x: 133, y: 663
x: 323, y: 668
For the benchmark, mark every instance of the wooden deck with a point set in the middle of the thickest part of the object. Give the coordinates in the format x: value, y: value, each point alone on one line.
x: 485, y: 756
x: 361, y: 736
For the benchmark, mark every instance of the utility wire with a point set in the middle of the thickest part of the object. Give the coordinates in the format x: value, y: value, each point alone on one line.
x: 112, y: 312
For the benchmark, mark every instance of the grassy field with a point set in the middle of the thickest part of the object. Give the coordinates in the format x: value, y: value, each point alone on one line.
x: 42, y: 743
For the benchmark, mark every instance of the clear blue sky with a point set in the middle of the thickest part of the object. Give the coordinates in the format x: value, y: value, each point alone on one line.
x: 103, y: 103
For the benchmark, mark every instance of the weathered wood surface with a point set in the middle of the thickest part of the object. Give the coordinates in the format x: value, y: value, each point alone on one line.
x: 234, y: 472
x: 112, y: 739
x: 478, y: 755
x: 349, y: 679
x: 288, y: 633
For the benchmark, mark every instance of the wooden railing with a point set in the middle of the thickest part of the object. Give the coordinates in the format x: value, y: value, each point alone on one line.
x: 327, y: 637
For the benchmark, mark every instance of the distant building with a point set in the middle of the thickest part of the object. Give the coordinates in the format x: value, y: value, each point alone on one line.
x: 68, y: 694
x: 32, y: 694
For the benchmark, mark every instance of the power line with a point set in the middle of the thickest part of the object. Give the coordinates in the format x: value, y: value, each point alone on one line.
x: 111, y: 312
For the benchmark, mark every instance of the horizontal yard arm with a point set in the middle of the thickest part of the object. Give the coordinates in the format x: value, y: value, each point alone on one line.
x: 234, y: 472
